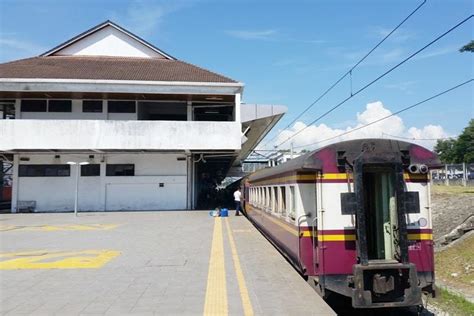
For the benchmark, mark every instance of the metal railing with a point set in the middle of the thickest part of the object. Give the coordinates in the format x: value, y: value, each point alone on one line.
x: 454, y: 174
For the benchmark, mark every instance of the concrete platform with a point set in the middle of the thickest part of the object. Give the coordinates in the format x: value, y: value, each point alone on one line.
x: 170, y: 263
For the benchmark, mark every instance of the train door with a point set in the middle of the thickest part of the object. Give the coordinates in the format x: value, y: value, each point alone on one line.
x: 381, y: 213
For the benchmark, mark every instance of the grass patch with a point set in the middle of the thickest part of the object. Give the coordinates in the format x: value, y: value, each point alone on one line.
x: 452, y: 303
x: 452, y: 189
x: 459, y: 259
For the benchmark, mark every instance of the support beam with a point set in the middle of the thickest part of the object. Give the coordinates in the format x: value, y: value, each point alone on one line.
x: 237, y: 108
x: 15, y: 183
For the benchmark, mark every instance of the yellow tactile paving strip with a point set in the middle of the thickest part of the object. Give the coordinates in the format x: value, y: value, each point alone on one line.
x: 216, y: 302
x: 54, y: 228
x: 216, y: 292
x: 44, y: 259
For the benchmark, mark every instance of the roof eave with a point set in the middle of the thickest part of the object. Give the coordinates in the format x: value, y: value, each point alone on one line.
x: 118, y: 86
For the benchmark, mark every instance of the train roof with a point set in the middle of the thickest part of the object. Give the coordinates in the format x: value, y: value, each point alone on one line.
x: 325, y: 158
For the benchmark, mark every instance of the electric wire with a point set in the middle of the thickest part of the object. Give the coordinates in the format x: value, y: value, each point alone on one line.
x: 414, y: 138
x: 349, y: 72
x: 378, y: 78
x: 388, y: 116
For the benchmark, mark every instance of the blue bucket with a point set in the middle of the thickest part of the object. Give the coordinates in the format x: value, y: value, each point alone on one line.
x: 224, y: 212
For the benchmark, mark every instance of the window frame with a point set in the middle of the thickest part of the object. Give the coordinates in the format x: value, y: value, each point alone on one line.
x: 275, y: 204
x: 33, y: 100
x: 23, y: 170
x: 89, y: 166
x: 101, y: 106
x: 59, y: 110
x: 292, y: 203
x: 109, y: 166
x: 282, y: 190
x: 115, y: 108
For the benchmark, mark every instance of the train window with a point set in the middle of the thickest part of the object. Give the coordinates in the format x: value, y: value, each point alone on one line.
x: 292, y: 208
x: 283, y: 201
x: 267, y: 198
x: 275, y: 200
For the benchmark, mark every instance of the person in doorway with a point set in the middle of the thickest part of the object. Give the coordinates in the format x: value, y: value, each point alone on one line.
x: 237, y: 200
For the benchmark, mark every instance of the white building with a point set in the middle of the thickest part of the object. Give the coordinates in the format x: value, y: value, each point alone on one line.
x: 154, y: 130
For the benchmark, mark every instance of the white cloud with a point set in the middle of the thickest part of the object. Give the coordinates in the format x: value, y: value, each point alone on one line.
x: 399, y: 36
x: 15, y: 48
x: 439, y: 52
x: 270, y: 35
x: 405, y: 86
x: 253, y: 35
x: 391, y: 127
x: 145, y: 18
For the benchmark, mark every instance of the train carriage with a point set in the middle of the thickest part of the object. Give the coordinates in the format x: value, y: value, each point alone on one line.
x: 353, y: 217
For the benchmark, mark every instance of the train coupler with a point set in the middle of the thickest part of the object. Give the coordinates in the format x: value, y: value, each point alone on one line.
x: 385, y: 285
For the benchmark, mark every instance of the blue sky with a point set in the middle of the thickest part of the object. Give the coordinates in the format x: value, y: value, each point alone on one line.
x: 286, y: 52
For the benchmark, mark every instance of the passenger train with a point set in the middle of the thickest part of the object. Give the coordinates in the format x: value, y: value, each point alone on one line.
x: 353, y: 217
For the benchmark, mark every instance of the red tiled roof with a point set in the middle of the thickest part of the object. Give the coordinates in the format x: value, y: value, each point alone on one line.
x: 108, y: 68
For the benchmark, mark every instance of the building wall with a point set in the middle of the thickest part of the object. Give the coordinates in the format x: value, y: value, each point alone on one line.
x: 118, y: 135
x: 99, y: 193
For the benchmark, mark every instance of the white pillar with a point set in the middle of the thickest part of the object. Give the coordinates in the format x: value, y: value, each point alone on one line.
x: 189, y: 174
x: 464, y: 174
x: 105, y: 108
x: 189, y: 111
x: 17, y: 109
x: 446, y: 180
x: 76, y: 191
x: 15, y: 183
x: 237, y: 108
x: 103, y: 184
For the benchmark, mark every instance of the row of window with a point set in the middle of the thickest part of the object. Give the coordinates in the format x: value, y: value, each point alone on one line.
x: 90, y: 170
x: 277, y: 199
x: 88, y: 106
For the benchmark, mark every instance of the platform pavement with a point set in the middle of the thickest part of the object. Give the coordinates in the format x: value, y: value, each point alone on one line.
x: 160, y: 265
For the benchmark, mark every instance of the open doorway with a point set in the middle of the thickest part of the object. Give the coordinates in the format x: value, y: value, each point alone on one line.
x: 6, y: 183
x: 381, y: 213
x: 7, y: 110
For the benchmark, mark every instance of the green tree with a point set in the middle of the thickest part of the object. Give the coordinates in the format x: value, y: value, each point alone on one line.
x: 464, y: 146
x: 469, y: 47
x: 445, y: 150
x: 458, y: 150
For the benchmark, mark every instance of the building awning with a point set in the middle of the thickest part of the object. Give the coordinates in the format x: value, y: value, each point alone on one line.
x: 257, y: 121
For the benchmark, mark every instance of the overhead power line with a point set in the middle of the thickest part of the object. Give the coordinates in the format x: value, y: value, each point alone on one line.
x: 348, y: 72
x: 378, y: 78
x: 414, y: 138
x: 388, y: 116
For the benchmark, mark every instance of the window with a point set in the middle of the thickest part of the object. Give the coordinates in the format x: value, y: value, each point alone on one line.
x: 121, y: 106
x: 59, y: 106
x: 92, y: 106
x: 283, y: 201
x: 33, y: 105
x: 92, y: 170
x: 267, y: 198
x: 162, y: 111
x: 275, y: 200
x: 292, y: 208
x: 120, y: 170
x: 44, y: 171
